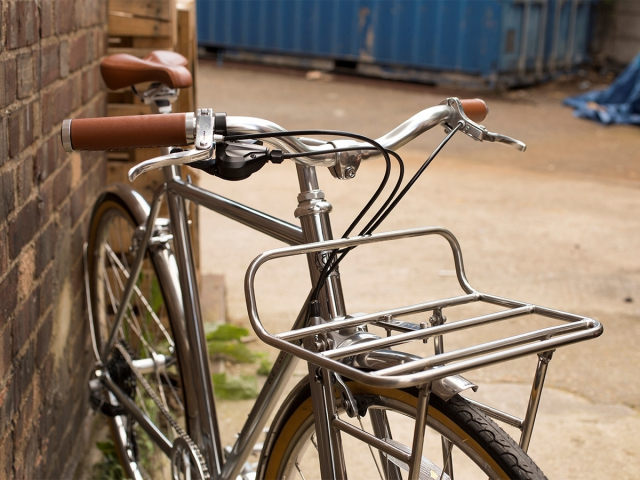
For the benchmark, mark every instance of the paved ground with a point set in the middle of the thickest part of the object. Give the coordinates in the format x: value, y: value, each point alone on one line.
x: 557, y: 225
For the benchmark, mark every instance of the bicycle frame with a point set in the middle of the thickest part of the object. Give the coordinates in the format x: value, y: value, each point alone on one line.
x: 313, y: 211
x: 184, y: 307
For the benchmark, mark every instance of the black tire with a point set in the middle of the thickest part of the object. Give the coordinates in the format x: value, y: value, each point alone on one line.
x: 147, y: 327
x: 478, y: 442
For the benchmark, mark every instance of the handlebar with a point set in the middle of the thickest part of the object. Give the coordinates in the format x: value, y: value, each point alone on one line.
x: 134, y: 131
x: 182, y: 129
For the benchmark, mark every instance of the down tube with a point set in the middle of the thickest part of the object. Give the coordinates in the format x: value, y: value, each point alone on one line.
x: 207, y: 435
x: 271, y: 392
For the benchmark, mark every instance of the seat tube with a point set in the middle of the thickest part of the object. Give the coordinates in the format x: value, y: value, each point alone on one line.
x: 313, y: 211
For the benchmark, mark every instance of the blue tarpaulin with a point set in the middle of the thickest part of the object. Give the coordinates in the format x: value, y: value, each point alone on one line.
x: 619, y: 103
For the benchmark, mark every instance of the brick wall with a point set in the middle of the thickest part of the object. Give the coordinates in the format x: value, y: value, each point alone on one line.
x: 49, y: 53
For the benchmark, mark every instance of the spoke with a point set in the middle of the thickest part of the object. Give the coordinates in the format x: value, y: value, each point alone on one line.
x: 371, y: 450
x: 447, y: 445
x: 173, y: 390
x: 142, y: 404
x: 313, y: 441
x: 124, y: 256
x: 114, y: 303
x: 134, y: 317
x: 135, y: 327
x: 299, y: 471
x: 112, y: 299
x: 142, y: 297
x: 139, y: 334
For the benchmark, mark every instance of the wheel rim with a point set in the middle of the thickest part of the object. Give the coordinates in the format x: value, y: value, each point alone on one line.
x: 145, y: 332
x: 300, y: 459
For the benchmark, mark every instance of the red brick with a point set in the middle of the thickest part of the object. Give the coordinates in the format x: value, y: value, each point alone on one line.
x: 7, y: 404
x: 27, y: 453
x: 8, y: 82
x: 24, y: 227
x: 25, y: 321
x: 45, y: 381
x: 100, y: 43
x: 24, y: 419
x: 23, y: 373
x: 4, y: 253
x: 4, y: 141
x: 5, y: 352
x: 78, y: 203
x: 78, y: 52
x: 45, y: 161
x: 46, y: 18
x: 89, y: 160
x: 75, y: 93
x: 48, y: 110
x: 90, y: 83
x: 25, y: 176
x: 21, y: 129
x: 15, y: 124
x: 78, y: 237
x: 45, y: 248
x: 57, y: 105
x: 7, y: 193
x: 64, y: 59
x: 22, y: 24
x: 45, y: 200
x: 6, y: 458
x: 60, y: 432
x: 25, y: 74
x: 49, y: 64
x: 86, y: 13
x: 8, y: 299
x: 103, y: 13
x: 61, y: 185
x: 43, y: 339
x: 63, y: 15
x: 48, y: 294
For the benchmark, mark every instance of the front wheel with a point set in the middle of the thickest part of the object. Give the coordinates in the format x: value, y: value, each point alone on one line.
x: 460, y: 440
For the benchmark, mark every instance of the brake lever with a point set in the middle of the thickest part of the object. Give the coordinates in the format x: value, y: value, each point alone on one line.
x: 497, y: 137
x: 178, y: 158
x: 474, y: 130
x: 204, y: 139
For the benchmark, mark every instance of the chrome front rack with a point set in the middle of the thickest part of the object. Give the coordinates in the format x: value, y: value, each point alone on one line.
x: 573, y: 329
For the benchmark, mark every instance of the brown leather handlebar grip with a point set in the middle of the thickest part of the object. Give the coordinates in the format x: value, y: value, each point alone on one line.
x: 475, y: 109
x: 135, y: 131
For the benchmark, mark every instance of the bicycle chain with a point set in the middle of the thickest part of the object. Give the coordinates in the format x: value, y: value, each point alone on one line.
x: 181, y: 433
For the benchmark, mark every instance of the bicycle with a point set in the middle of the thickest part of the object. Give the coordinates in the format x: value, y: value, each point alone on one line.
x: 152, y: 377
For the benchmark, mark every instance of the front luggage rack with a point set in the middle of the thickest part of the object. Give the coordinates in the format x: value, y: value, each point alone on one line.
x: 575, y: 328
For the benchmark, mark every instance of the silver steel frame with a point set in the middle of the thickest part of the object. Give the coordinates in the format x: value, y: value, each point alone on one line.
x: 314, y: 218
x: 397, y: 371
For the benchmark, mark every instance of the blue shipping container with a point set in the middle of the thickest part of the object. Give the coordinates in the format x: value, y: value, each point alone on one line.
x: 495, y: 41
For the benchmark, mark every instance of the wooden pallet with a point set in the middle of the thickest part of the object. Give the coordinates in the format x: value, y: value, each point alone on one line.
x: 138, y: 27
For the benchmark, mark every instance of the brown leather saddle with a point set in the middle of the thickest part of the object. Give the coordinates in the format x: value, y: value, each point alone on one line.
x: 123, y: 70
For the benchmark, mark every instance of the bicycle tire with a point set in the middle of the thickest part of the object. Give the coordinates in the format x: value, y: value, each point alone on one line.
x: 113, y: 223
x: 492, y: 452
